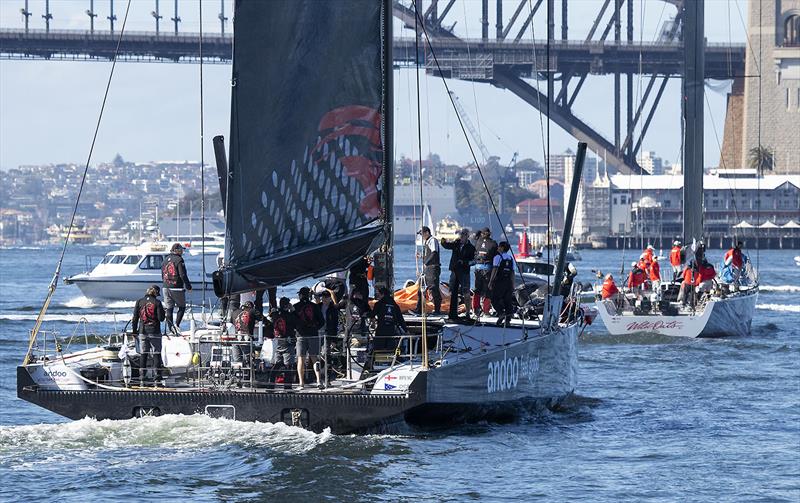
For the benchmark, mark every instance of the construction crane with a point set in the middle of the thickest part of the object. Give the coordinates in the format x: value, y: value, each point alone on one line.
x: 470, y: 127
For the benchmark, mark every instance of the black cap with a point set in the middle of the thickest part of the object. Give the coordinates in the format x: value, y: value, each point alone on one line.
x: 155, y: 290
x: 486, y: 230
x: 284, y: 301
x: 425, y: 228
x: 176, y: 246
x: 304, y: 292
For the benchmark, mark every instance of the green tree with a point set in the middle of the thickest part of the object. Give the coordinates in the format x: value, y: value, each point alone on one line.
x: 761, y: 159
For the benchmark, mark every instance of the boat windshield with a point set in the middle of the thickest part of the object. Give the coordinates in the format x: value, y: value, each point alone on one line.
x: 541, y: 268
x: 107, y: 259
x: 132, y: 259
x: 152, y: 262
x: 116, y: 259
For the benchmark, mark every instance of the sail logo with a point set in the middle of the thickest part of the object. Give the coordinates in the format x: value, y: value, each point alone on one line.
x: 504, y: 374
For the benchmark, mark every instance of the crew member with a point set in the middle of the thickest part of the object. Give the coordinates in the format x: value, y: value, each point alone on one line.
x: 707, y: 275
x: 431, y: 271
x: 655, y: 277
x: 501, y: 283
x: 635, y: 280
x: 244, y: 322
x: 676, y: 259
x: 570, y: 272
x: 330, y: 313
x: 646, y: 258
x: 309, y: 321
x: 735, y: 260
x: 358, y: 277
x: 691, y: 279
x: 356, y: 317
x: 389, y: 318
x: 460, y: 259
x: 486, y: 249
x: 176, y: 283
x: 610, y: 290
x: 284, y: 330
x: 147, y: 317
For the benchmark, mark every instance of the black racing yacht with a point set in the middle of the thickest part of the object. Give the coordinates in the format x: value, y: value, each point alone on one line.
x: 308, y: 192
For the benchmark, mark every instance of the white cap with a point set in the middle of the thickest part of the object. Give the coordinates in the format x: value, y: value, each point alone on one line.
x: 650, y: 247
x: 633, y: 264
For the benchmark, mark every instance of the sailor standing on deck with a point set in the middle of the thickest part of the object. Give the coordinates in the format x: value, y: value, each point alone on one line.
x: 636, y: 281
x: 431, y: 271
x: 735, y: 260
x: 501, y: 283
x: 147, y: 317
x: 460, y: 260
x: 485, y: 250
x: 284, y: 325
x: 176, y: 283
x: 655, y: 277
x: 676, y: 259
x: 309, y: 321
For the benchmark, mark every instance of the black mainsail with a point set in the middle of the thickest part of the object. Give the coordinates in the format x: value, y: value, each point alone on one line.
x: 309, y: 151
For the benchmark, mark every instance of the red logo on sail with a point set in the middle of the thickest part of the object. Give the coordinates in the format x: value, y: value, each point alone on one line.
x: 365, y: 123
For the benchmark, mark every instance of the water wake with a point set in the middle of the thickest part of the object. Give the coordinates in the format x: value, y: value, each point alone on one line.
x: 786, y: 308
x: 109, y: 317
x: 779, y: 288
x: 86, y: 303
x: 170, y: 432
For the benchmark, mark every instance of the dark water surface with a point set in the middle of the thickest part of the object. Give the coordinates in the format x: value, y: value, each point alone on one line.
x: 653, y: 418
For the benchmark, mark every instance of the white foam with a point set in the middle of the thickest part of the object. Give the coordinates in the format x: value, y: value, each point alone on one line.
x: 787, y: 308
x: 109, y: 317
x: 779, y: 288
x: 170, y: 431
x: 85, y: 303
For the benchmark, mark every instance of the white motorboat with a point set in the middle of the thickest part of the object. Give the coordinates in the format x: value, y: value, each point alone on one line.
x: 125, y: 274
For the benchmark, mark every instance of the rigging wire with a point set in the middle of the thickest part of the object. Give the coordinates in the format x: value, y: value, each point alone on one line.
x: 463, y: 128
x: 420, y: 292
x: 202, y: 166
x: 54, y: 283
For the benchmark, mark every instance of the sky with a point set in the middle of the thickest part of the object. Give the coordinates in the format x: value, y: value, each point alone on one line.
x: 48, y: 109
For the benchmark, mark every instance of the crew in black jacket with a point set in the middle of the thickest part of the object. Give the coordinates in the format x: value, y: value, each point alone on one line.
x: 460, y: 261
x: 176, y: 283
x: 147, y: 317
x: 485, y: 250
x: 389, y: 318
x: 432, y: 269
x: 309, y: 321
x: 284, y: 330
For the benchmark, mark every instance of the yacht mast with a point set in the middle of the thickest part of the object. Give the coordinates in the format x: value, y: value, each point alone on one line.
x: 693, y: 97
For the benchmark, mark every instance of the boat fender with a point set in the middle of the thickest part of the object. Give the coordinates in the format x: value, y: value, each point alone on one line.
x: 196, y: 358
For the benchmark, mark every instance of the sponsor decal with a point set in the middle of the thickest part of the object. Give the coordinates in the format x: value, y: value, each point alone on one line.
x: 390, y: 377
x: 54, y: 374
x: 636, y: 326
x: 387, y: 386
x: 504, y: 374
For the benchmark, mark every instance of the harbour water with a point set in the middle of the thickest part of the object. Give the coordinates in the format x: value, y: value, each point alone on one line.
x: 653, y: 418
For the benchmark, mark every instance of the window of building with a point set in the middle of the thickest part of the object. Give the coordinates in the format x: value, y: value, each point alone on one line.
x: 667, y: 203
x: 622, y: 228
x: 715, y: 204
x: 615, y: 200
x: 791, y: 31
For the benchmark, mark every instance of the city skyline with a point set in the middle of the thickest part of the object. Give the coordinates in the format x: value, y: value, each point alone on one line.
x: 153, y: 108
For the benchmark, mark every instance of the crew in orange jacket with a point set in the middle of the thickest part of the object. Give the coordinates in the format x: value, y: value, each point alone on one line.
x: 655, y: 277
x: 610, y: 290
x: 635, y: 280
x: 676, y: 259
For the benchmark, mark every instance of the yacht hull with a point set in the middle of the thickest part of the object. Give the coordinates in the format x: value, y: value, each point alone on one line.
x: 732, y: 316
x: 494, y: 385
x: 126, y: 289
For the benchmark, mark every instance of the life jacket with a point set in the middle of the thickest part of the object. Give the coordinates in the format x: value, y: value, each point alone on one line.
x: 244, y: 321
x: 505, y: 270
x: 386, y: 320
x: 609, y: 288
x: 636, y: 278
x: 169, y: 272
x: 147, y: 312
x: 691, y: 277
x: 675, y: 257
x: 280, y: 327
x: 734, y: 257
x: 707, y: 272
x: 306, y: 315
x: 431, y: 257
x: 486, y: 250
x: 655, y: 272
